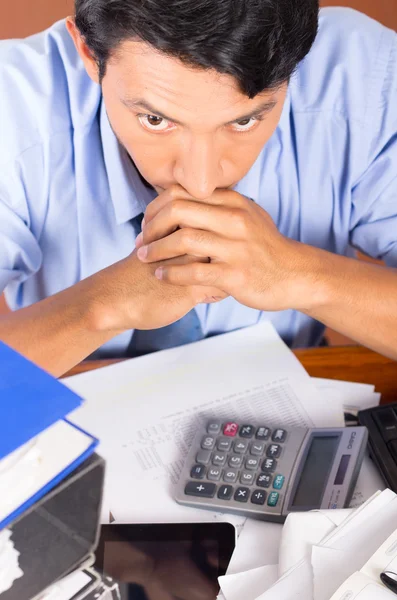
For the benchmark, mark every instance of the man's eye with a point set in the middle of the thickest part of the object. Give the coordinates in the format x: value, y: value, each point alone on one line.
x: 246, y: 124
x: 153, y: 123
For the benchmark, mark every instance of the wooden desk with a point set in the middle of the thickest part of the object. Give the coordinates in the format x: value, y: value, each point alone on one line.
x: 350, y: 363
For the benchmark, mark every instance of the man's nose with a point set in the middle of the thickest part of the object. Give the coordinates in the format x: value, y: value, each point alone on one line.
x: 198, y: 168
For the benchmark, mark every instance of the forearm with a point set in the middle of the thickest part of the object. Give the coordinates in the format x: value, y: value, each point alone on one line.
x: 355, y: 298
x: 60, y: 331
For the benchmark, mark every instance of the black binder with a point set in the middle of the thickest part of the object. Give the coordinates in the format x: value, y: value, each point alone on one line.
x: 59, y: 532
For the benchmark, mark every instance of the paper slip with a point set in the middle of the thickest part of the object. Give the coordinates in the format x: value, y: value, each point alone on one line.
x: 365, y: 584
x: 145, y: 412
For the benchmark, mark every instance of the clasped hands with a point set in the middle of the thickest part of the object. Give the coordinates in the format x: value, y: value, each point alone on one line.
x: 237, y: 248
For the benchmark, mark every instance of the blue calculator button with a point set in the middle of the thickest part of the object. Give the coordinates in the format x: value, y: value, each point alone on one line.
x: 278, y: 482
x: 273, y: 499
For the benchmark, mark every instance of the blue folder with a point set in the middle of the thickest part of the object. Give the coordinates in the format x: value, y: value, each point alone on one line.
x: 31, y: 400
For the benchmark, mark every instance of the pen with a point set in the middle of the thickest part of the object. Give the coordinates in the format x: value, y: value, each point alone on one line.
x: 389, y: 579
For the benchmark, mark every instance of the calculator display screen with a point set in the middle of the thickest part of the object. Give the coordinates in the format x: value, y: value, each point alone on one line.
x: 314, y: 475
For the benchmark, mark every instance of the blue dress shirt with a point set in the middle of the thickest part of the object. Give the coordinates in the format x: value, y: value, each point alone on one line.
x: 68, y: 191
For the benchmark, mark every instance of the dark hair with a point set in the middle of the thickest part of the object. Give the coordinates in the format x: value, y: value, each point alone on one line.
x: 258, y: 42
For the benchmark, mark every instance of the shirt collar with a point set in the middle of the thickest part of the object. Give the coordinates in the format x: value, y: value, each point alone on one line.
x: 130, y: 196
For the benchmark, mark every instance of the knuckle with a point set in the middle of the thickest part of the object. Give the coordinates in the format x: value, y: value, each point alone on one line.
x: 175, y: 207
x: 240, y: 219
x: 204, y: 275
x: 189, y: 237
x: 174, y: 191
x: 198, y: 272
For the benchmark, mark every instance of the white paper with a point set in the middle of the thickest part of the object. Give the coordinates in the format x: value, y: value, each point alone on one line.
x: 145, y: 411
x: 297, y: 584
x: 258, y: 545
x: 359, y: 587
x: 355, y: 396
x: 55, y: 449
x: 369, y: 481
x: 68, y: 587
x: 384, y: 559
x: 248, y: 585
x: 302, y: 530
x: 352, y: 544
x: 10, y: 570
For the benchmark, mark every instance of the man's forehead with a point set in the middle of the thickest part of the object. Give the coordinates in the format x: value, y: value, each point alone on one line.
x: 142, y: 72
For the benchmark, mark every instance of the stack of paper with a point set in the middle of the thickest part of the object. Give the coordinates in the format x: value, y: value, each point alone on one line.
x: 146, y: 410
x: 320, y: 550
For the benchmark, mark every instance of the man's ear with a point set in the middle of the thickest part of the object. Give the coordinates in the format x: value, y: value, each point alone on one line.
x: 85, y: 53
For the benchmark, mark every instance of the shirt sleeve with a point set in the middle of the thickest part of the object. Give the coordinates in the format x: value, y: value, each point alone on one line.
x: 374, y: 196
x: 20, y: 254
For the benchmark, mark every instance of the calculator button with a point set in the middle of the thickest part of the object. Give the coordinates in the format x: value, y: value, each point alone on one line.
x: 219, y: 459
x: 241, y: 494
x: 258, y: 497
x: 264, y: 480
x: 278, y: 482
x: 273, y: 451
x: 224, y: 444
x: 257, y: 448
x: 197, y: 472
x: 279, y: 435
x: 204, y: 490
x: 240, y: 446
x: 230, y: 475
x: 262, y: 433
x: 230, y: 429
x: 247, y: 478
x: 247, y: 431
x: 203, y: 457
x: 235, y: 461
x: 214, y: 427
x: 252, y: 463
x: 214, y: 474
x: 207, y: 443
x: 269, y: 465
x: 273, y: 499
x: 225, y: 492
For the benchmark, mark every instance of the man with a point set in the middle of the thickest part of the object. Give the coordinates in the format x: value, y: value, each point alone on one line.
x: 259, y: 154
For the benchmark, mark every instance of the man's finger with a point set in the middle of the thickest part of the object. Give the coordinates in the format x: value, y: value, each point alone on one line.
x: 186, y: 241
x: 195, y: 274
x: 174, y: 193
x: 225, y: 221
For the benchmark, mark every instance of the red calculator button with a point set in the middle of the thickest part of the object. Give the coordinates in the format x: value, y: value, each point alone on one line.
x: 230, y: 429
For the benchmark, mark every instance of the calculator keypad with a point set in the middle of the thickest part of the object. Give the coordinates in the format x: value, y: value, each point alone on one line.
x: 239, y: 463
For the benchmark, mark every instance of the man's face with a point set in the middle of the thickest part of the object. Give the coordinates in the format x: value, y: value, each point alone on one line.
x: 182, y: 125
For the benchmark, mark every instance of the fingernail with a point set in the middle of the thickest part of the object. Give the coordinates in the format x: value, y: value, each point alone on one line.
x: 139, y: 241
x: 143, y: 223
x: 159, y: 273
x: 142, y: 252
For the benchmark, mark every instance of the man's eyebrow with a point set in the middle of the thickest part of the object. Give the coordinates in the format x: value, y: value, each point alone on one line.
x: 133, y: 103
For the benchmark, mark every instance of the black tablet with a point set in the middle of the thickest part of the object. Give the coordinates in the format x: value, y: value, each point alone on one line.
x: 166, y: 561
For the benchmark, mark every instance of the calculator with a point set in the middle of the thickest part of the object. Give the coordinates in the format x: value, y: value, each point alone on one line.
x: 266, y: 473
